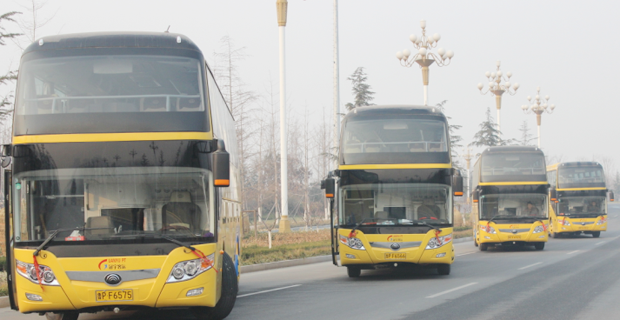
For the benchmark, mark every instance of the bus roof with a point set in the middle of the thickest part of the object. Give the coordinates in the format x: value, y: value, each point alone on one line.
x: 574, y: 164
x: 508, y: 149
x: 112, y: 40
x: 366, y: 111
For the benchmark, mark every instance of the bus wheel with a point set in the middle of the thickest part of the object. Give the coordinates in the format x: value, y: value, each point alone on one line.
x: 443, y: 269
x: 483, y: 246
x: 230, y: 288
x: 596, y: 234
x: 62, y: 316
x: 354, y: 272
x: 555, y: 235
x: 539, y: 245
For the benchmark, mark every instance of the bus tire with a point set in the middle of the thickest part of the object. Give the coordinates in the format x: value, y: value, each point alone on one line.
x: 443, y: 269
x: 539, y: 246
x: 354, y: 272
x: 62, y: 315
x: 483, y: 246
x: 230, y: 287
x: 596, y: 234
x: 475, y: 239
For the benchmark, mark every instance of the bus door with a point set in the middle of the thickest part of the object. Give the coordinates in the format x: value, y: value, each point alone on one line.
x: 329, y: 185
x: 8, y: 234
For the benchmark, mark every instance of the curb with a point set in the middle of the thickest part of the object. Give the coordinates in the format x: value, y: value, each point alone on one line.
x: 4, y: 302
x: 283, y: 264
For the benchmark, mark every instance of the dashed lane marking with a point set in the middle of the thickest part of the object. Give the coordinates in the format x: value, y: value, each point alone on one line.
x: 265, y: 291
x: 452, y: 290
x: 531, y: 265
x: 573, y: 251
x: 464, y: 254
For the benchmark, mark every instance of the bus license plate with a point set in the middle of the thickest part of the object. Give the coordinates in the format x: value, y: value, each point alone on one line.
x: 114, y: 295
x: 393, y: 256
x: 514, y: 237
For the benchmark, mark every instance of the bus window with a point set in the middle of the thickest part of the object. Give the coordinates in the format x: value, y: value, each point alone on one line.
x: 395, y: 135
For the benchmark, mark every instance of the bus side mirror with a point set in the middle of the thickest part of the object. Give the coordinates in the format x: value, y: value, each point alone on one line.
x: 329, y: 185
x: 476, y: 196
x: 553, y: 194
x: 611, y: 196
x: 457, y: 185
x: 6, y: 155
x: 221, y: 166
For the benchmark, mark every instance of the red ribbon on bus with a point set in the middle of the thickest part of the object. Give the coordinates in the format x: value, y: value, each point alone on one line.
x: 37, y: 269
x: 204, y: 259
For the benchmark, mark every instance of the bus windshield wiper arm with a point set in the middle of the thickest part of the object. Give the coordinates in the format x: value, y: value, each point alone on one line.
x: 422, y: 223
x: 177, y: 242
x: 49, y: 238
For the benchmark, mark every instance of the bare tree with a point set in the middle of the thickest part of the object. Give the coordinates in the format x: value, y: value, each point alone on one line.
x: 238, y: 98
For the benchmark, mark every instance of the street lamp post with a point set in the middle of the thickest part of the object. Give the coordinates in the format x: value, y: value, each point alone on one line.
x: 538, y: 107
x: 468, y: 156
x: 497, y: 88
x: 424, y: 57
x: 285, y: 224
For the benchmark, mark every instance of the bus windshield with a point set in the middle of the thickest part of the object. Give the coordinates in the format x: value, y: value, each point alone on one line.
x: 112, y: 93
x: 113, y: 204
x: 395, y: 135
x: 582, y: 206
x: 575, y: 177
x: 513, y: 205
x: 395, y: 204
x: 513, y: 164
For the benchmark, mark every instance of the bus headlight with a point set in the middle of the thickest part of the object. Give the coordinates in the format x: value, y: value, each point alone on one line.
x: 600, y: 222
x: 187, y: 270
x: 435, y: 242
x: 488, y: 229
x: 564, y: 222
x: 538, y: 229
x: 353, y: 243
x: 28, y: 271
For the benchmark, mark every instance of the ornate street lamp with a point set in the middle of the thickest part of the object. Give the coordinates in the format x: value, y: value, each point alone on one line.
x: 538, y: 107
x: 497, y: 88
x: 424, y: 57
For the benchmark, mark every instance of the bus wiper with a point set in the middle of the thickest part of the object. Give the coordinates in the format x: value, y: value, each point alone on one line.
x: 422, y: 223
x: 177, y: 242
x: 356, y: 226
x: 55, y: 233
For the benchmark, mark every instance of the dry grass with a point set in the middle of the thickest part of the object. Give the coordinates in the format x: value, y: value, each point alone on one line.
x: 4, y: 291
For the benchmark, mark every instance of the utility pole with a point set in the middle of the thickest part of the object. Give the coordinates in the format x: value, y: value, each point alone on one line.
x: 336, y: 143
x: 285, y: 224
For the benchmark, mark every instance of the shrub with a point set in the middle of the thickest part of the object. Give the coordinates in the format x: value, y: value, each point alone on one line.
x: 2, y: 264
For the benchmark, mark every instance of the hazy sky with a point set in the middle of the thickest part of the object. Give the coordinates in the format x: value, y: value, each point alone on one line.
x: 565, y: 47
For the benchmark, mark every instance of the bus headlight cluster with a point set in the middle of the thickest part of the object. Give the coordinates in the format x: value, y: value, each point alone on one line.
x: 28, y: 271
x: 564, y: 222
x: 187, y: 270
x: 600, y: 222
x: 488, y: 229
x: 353, y: 243
x: 538, y: 229
x: 435, y: 242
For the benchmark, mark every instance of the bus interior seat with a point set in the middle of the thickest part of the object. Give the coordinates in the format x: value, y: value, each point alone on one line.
x: 188, y: 104
x: 103, y: 222
x: 153, y: 104
x: 181, y: 211
x: 417, y: 147
x: 372, y: 146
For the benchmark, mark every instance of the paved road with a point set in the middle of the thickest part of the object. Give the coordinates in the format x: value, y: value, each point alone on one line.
x: 573, y: 278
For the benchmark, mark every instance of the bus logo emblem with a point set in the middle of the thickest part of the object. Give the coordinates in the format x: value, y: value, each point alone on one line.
x: 514, y: 231
x: 112, y: 279
x: 395, y: 246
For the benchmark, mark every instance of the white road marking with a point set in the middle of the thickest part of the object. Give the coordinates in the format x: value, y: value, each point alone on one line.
x: 464, y: 254
x: 573, y: 251
x: 531, y: 265
x: 596, y: 244
x: 452, y: 290
x: 270, y: 290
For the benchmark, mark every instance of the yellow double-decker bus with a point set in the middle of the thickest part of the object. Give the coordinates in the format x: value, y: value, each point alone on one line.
x: 392, y: 193
x: 510, y: 192
x: 578, y: 193
x: 121, y: 145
